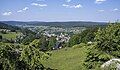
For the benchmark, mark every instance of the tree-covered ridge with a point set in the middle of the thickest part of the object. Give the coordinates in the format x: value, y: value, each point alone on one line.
x: 8, y: 27
x: 59, y: 24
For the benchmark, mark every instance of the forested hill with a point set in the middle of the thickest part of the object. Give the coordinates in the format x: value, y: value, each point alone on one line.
x: 65, y: 24
x: 9, y: 27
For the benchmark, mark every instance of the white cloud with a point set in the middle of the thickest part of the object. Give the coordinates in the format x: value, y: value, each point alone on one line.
x: 68, y: 0
x: 7, y: 13
x: 65, y: 5
x: 77, y: 6
x: 99, y: 1
x: 19, y: 11
x: 40, y: 5
x: 24, y: 9
x: 72, y: 6
x: 116, y: 9
x: 101, y: 10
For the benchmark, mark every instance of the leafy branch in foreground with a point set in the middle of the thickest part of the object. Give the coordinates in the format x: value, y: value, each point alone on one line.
x: 16, y: 57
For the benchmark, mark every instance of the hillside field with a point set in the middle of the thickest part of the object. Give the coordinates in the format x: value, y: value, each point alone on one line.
x: 67, y: 59
x: 10, y: 35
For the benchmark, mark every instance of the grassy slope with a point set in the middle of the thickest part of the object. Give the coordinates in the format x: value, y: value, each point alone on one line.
x: 70, y: 59
x: 10, y: 35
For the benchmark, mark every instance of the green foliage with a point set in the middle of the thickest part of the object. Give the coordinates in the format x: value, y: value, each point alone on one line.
x: 32, y: 57
x: 28, y: 39
x: 17, y: 57
x: 95, y: 58
x: 79, y: 45
x: 52, y: 42
x: 9, y: 57
x: 26, y: 31
x: 84, y: 37
x: 88, y: 35
x: 74, y: 40
x: 44, y: 44
x: 108, y: 39
x: 107, y: 46
x: 36, y: 43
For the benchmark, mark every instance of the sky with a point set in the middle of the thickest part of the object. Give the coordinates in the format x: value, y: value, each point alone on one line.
x: 59, y: 10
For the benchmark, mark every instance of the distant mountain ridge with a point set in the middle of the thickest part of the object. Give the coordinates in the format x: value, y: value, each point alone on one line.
x: 9, y: 27
x: 64, y: 24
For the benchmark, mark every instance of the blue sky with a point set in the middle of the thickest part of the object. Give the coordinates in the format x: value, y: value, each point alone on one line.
x: 59, y: 10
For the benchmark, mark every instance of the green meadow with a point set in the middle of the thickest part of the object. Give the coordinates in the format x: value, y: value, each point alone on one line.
x: 67, y: 59
x: 10, y: 35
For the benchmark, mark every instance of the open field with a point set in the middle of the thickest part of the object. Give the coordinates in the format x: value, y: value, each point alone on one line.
x: 67, y: 59
x: 10, y: 35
